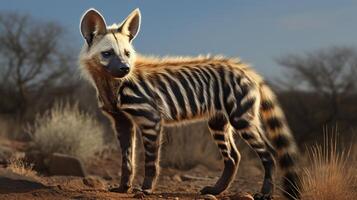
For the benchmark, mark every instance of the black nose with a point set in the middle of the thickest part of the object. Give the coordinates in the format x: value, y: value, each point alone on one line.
x: 117, y: 68
x: 124, y: 69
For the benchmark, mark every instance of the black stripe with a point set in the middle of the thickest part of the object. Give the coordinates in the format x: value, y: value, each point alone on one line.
x: 144, y: 126
x: 224, y: 153
x: 248, y: 104
x: 201, y: 91
x: 267, y: 105
x: 177, y: 92
x: 240, y: 94
x: 281, y: 142
x: 265, y: 155
x: 274, y: 123
x: 222, y: 146
x: 116, y: 39
x: 216, y: 89
x: 227, y: 90
x: 149, y: 147
x: 149, y: 136
x: 219, y: 137
x: 240, y: 124
x: 218, y: 123
x: 150, y: 158
x: 125, y: 99
x: 144, y: 85
x: 190, y: 96
x: 189, y: 76
x: 132, y: 86
x: 141, y: 113
x: 257, y: 145
x: 245, y: 87
x: 206, y: 77
x: 286, y: 161
x: 247, y: 135
x: 163, y: 89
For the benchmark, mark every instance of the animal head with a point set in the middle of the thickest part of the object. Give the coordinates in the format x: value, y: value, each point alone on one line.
x: 109, y: 49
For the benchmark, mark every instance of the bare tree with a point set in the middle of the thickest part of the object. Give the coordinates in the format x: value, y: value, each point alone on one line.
x: 33, y: 59
x: 319, y: 82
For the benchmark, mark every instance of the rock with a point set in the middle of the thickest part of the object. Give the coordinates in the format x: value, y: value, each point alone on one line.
x: 62, y: 164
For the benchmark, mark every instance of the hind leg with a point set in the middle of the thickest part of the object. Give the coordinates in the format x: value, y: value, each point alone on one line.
x: 250, y: 131
x: 219, y: 128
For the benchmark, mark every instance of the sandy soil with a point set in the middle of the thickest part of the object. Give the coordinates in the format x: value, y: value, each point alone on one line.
x: 104, y: 174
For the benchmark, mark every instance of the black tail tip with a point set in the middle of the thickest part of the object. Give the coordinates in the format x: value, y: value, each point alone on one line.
x: 291, y: 185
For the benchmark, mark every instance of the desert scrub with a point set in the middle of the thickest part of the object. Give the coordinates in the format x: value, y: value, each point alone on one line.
x: 19, y: 166
x: 331, y: 173
x: 65, y: 129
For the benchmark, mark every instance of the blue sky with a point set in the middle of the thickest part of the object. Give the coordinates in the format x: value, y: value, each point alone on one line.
x: 257, y: 31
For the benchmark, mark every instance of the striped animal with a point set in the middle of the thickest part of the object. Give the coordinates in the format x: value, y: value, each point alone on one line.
x: 145, y: 93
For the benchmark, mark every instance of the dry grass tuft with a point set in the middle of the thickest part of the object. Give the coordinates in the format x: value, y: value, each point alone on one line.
x: 17, y: 165
x: 65, y: 129
x: 330, y: 174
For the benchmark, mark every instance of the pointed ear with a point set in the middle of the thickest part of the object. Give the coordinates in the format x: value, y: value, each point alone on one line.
x: 92, y: 24
x: 131, y: 24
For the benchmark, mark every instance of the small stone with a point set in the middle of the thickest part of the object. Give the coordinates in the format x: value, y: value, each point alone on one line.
x: 209, y: 197
x: 177, y: 178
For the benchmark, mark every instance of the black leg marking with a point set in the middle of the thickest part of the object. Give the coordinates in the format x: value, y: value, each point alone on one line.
x: 126, y: 136
x: 253, y: 138
x: 151, y: 145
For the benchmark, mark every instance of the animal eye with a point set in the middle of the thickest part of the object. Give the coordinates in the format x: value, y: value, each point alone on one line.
x: 107, y: 54
x: 127, y: 53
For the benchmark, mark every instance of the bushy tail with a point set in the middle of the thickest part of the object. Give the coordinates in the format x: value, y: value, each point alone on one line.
x: 280, y: 137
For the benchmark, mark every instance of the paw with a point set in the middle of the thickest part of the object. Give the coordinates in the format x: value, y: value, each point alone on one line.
x: 147, y: 191
x: 140, y: 193
x: 260, y: 196
x: 210, y: 190
x: 120, y: 189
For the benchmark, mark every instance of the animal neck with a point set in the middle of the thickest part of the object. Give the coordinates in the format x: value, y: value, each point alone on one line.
x: 107, y: 90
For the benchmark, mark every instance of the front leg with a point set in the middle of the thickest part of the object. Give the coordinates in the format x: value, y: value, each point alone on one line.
x: 151, y: 139
x: 125, y: 132
x: 149, y: 123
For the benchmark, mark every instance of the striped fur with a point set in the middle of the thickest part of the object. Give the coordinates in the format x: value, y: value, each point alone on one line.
x: 159, y: 92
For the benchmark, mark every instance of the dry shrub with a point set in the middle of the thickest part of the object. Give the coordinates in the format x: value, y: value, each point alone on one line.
x: 19, y: 166
x: 331, y: 174
x: 65, y: 129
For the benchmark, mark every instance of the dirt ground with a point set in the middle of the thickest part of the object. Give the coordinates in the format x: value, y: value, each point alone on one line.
x: 104, y: 174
